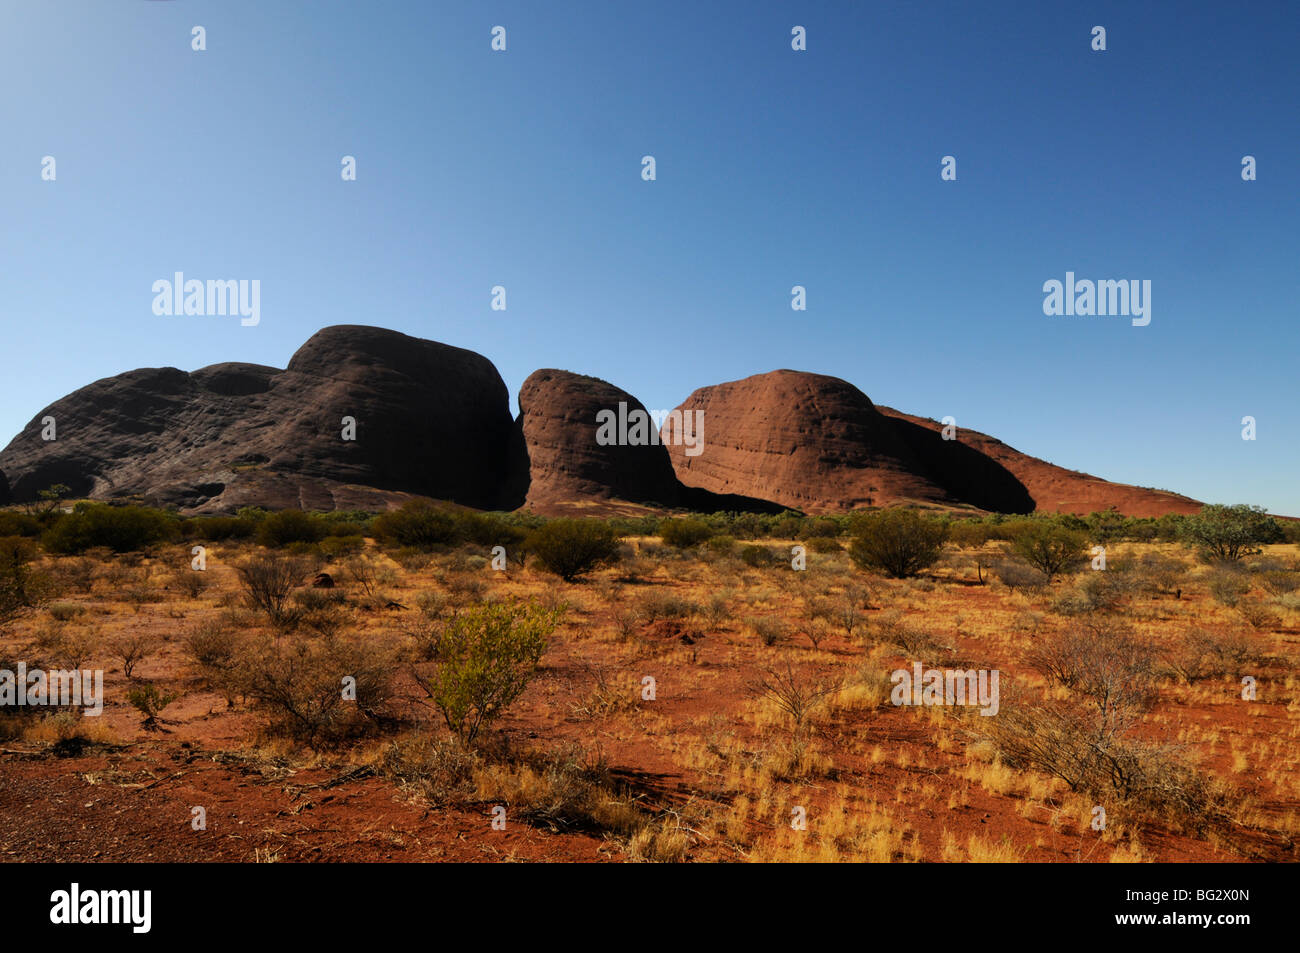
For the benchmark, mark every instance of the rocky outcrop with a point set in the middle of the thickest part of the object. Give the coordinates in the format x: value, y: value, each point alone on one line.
x: 819, y: 444
x: 365, y: 418
x: 572, y: 469
x: 430, y: 419
x: 558, y: 419
x: 1055, y: 489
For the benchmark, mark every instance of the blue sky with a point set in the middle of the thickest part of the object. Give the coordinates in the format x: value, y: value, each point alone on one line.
x: 775, y: 168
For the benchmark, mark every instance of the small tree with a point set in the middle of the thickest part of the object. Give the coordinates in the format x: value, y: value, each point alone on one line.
x: 133, y: 648
x: 486, y: 657
x: 1227, y: 533
x: 47, y: 501
x: 1049, y: 547
x: 571, y: 548
x: 898, y: 542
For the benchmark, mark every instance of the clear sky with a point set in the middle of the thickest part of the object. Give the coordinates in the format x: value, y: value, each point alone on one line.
x: 775, y: 168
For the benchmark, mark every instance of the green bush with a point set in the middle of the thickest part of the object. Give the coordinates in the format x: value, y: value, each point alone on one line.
x: 1227, y: 533
x: 824, y: 544
x: 487, y: 655
x: 571, y: 548
x: 487, y: 529
x: 756, y: 556
x: 1049, y: 546
x: 684, y: 533
x: 418, y: 524
x: 216, y: 528
x: 21, y: 589
x: 19, y: 524
x: 119, y: 528
x: 722, y: 545
x: 290, y: 526
x: 898, y: 542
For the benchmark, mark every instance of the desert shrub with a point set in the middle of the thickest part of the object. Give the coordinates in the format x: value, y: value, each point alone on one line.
x: 150, y: 700
x: 268, y: 580
x: 190, y: 581
x: 796, y: 694
x: 22, y: 589
x: 487, y: 529
x: 969, y: 535
x: 1016, y: 575
x: 665, y: 605
x: 213, y: 648
x: 684, y: 533
x: 332, y: 547
x: 716, y: 611
x: 721, y: 545
x: 769, y: 629
x: 486, y: 656
x: 67, y: 646
x: 442, y: 770
x: 218, y: 528
x: 849, y: 610
x: 1227, y: 586
x: 1157, y: 572
x: 363, y: 573
x: 821, y: 528
x: 323, y: 611
x: 411, y: 559
x: 132, y: 648
x: 571, y: 548
x: 824, y: 544
x: 19, y: 524
x: 300, y: 684
x: 1257, y: 615
x: 1274, y: 578
x: 914, y: 641
x: 1094, y: 755
x: 1049, y: 547
x: 463, y: 588
x: 756, y: 556
x: 290, y: 526
x: 1202, y: 653
x: 65, y: 611
x: 1105, y: 664
x: 1227, y: 533
x: 76, y: 573
x: 898, y: 542
x: 118, y: 528
x: 1101, y: 591
x: 418, y: 524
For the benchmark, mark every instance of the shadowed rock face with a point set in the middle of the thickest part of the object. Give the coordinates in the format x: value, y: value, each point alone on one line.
x: 558, y: 419
x: 1055, y: 489
x: 430, y: 419
x: 567, y: 468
